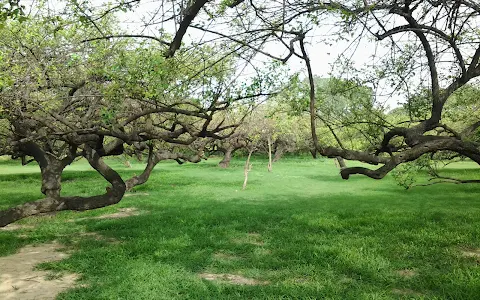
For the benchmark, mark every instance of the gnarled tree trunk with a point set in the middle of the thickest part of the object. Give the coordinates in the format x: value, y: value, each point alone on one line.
x: 51, y: 167
x: 142, y: 178
x: 278, y: 155
x: 53, y: 201
x: 227, y: 157
x: 153, y: 159
x: 52, y: 177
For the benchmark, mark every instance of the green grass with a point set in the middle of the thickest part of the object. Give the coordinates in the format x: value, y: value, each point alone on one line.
x: 303, y: 229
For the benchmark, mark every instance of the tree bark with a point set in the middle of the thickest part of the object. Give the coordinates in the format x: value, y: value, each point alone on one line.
x: 51, y: 167
x: 341, y: 162
x: 50, y: 204
x: 52, y: 178
x: 280, y: 147
x: 432, y: 145
x: 278, y: 154
x: 269, y: 167
x: 246, y: 169
x: 153, y: 159
x: 227, y: 157
x: 312, y: 106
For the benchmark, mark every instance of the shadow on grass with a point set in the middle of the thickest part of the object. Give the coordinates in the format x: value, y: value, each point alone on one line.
x: 339, y: 241
x: 304, y: 247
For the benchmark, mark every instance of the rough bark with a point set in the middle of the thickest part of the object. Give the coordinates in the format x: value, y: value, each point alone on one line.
x: 51, y: 178
x: 142, y: 178
x: 50, y: 204
x: 51, y: 167
x: 282, y: 146
x: 313, y: 124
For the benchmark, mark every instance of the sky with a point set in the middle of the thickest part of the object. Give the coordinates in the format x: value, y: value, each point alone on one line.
x: 323, y: 55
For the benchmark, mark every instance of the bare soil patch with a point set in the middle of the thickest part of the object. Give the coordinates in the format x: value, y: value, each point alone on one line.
x: 13, y: 227
x: 135, y: 194
x: 406, y: 273
x: 121, y: 213
x: 301, y: 280
x: 19, y: 280
x: 225, y: 256
x: 475, y: 253
x: 232, y: 279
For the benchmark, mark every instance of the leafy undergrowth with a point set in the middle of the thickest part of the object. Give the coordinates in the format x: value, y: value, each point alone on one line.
x: 299, y: 232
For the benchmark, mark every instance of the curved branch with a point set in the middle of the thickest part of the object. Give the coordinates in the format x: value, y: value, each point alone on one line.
x: 107, y: 37
x: 437, y: 101
x: 312, y: 96
x: 434, y: 144
x: 51, y: 204
x: 154, y: 159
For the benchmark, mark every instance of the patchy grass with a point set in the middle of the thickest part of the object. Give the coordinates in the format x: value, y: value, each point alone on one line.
x: 300, y: 232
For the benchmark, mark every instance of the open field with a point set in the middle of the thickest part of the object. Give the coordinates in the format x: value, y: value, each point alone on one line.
x: 300, y: 232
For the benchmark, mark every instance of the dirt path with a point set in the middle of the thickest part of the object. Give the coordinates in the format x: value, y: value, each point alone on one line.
x: 19, y: 280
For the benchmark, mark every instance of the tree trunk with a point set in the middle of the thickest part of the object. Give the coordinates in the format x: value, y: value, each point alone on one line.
x: 279, y: 150
x: 153, y: 159
x: 142, y: 178
x: 113, y: 195
x: 278, y: 155
x: 52, y: 178
x: 341, y: 162
x: 227, y: 157
x: 269, y: 167
x: 246, y: 169
x: 51, y: 167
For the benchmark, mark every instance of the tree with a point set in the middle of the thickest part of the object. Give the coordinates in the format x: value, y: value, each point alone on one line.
x: 449, y: 66
x: 62, y: 98
x: 425, y: 39
x: 47, y: 114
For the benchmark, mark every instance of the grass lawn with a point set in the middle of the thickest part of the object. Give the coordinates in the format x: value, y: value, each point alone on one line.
x: 300, y: 232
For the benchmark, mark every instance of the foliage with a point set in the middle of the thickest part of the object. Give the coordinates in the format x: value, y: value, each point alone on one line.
x: 11, y: 9
x: 405, y: 174
x: 344, y: 109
